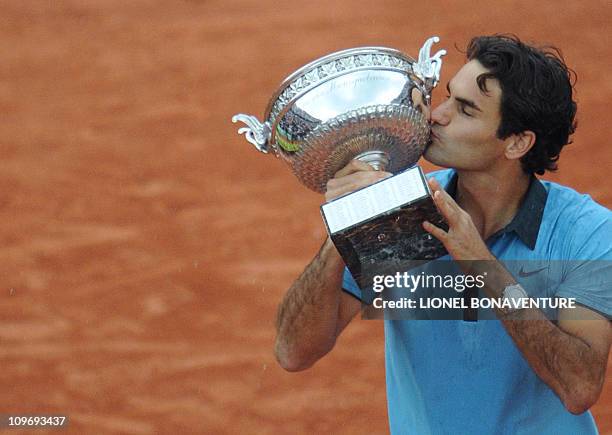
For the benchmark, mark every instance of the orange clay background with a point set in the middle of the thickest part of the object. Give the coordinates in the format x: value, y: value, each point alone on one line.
x: 146, y: 245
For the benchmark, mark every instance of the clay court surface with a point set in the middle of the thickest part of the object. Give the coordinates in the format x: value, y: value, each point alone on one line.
x: 145, y: 245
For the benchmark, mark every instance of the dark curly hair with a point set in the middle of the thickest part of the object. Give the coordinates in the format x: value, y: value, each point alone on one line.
x: 537, y: 91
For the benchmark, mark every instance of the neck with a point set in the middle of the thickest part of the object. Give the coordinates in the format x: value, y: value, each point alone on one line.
x: 491, y: 198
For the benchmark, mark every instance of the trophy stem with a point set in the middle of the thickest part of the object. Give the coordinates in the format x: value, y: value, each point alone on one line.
x: 379, y: 160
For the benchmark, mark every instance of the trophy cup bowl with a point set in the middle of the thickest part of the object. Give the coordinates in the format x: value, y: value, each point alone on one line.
x: 363, y: 103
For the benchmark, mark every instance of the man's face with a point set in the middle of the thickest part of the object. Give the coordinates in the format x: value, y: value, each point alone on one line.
x: 464, y: 126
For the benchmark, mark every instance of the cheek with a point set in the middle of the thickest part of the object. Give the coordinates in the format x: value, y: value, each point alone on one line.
x: 474, y: 133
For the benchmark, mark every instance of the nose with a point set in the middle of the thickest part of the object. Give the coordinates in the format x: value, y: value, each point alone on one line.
x: 439, y: 115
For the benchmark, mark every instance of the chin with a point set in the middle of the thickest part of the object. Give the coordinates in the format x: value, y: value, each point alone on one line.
x: 431, y: 155
x: 435, y: 153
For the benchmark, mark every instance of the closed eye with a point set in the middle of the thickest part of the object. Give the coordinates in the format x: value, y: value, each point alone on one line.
x: 461, y: 107
x: 463, y: 111
x: 463, y: 103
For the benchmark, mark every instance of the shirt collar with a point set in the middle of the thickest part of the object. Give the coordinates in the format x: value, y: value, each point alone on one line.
x: 526, y: 223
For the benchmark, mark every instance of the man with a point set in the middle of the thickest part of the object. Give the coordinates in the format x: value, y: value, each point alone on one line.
x: 508, y: 114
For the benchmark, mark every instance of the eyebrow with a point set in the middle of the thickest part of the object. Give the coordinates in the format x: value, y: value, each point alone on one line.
x: 463, y: 101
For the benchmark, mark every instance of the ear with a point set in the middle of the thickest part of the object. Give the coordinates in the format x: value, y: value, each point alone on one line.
x: 517, y: 145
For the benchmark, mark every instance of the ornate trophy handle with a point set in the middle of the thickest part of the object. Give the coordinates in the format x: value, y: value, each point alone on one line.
x: 428, y: 67
x: 255, y: 132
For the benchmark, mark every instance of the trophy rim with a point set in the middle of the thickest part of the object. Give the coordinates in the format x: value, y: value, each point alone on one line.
x: 332, y: 57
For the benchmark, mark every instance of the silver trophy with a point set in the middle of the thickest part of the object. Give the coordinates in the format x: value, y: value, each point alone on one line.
x: 363, y: 103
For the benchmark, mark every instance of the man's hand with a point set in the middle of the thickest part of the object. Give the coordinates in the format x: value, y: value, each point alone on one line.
x: 353, y: 176
x: 462, y: 240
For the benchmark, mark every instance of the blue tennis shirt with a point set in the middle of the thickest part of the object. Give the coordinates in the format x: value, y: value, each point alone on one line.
x: 459, y: 377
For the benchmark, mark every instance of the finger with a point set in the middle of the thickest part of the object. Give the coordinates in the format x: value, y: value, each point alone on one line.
x: 366, y: 178
x: 359, y: 179
x: 446, y: 204
x: 444, y: 194
x: 433, y: 184
x: 435, y: 231
x: 349, y: 183
x: 352, y: 167
x: 445, y: 207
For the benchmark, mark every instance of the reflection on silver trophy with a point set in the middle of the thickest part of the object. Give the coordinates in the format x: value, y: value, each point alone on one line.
x: 364, y: 103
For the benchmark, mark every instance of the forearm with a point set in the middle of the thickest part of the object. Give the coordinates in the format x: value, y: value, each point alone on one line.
x: 566, y: 363
x: 307, y: 317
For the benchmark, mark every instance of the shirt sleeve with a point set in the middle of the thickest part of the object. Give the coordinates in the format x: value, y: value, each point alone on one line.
x: 350, y: 286
x: 588, y: 271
